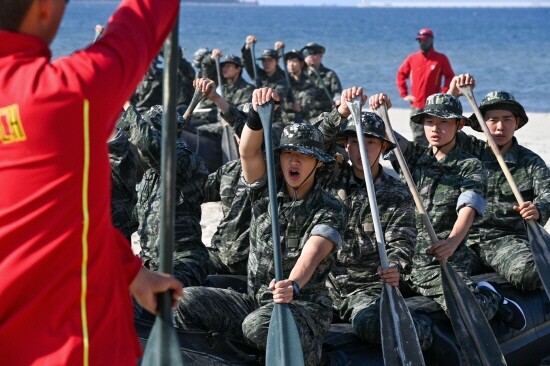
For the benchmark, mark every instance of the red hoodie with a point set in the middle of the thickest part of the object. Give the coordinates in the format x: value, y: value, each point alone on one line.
x: 64, y: 269
x: 426, y: 72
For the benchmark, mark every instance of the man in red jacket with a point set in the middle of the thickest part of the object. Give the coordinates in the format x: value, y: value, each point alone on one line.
x: 65, y: 273
x: 426, y: 68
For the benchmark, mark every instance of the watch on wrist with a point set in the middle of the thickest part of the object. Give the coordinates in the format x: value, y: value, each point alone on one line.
x: 295, y: 289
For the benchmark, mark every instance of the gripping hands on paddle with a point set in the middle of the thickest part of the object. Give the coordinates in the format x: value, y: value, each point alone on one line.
x: 283, y: 291
x: 147, y: 285
x: 349, y: 95
x: 527, y: 209
x: 262, y: 96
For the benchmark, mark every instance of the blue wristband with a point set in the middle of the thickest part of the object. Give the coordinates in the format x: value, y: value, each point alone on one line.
x: 295, y: 289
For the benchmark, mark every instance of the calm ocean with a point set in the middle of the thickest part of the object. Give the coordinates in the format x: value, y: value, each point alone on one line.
x: 504, y: 48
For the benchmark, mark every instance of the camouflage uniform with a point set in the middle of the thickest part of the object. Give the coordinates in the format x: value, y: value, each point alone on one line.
x: 239, y: 92
x: 123, y: 161
x: 445, y: 186
x: 230, y: 243
x: 354, y: 284
x: 304, y: 93
x: 190, y: 255
x: 247, y: 315
x: 500, y: 239
x: 327, y: 78
x: 149, y: 92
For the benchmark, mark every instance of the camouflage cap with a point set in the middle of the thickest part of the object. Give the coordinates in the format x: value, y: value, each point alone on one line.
x: 312, y: 48
x: 293, y: 54
x: 440, y: 105
x: 372, y: 126
x: 304, y: 138
x: 499, y: 100
x: 269, y: 53
x: 232, y: 59
x: 154, y: 116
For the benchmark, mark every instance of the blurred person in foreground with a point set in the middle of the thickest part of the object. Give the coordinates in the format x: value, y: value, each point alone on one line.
x: 59, y: 252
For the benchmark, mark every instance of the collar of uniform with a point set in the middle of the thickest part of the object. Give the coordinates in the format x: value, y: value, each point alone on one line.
x: 511, y: 155
x: 14, y: 43
x: 450, y: 159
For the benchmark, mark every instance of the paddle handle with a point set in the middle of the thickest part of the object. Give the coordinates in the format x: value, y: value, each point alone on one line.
x: 355, y: 108
x: 219, y: 74
x: 467, y: 92
x: 197, y: 97
x: 383, y: 112
x: 266, y: 115
x: 254, y: 66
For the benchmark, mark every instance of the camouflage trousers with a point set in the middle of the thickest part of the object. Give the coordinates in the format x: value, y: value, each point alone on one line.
x: 217, y: 266
x: 511, y: 257
x: 362, y: 310
x: 237, y: 317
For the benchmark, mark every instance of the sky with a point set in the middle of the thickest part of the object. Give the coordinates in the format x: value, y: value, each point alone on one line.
x: 407, y: 2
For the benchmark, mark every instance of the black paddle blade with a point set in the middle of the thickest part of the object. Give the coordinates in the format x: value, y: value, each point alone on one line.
x: 473, y: 332
x: 539, y: 239
x: 163, y: 348
x: 399, y: 339
x: 283, y: 341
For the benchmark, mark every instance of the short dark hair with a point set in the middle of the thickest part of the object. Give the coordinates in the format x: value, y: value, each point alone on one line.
x: 12, y: 13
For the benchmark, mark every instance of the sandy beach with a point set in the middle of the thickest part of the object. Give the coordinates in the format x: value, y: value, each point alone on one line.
x: 535, y: 135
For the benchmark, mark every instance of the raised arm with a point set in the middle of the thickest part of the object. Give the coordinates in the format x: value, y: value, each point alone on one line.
x: 250, y: 148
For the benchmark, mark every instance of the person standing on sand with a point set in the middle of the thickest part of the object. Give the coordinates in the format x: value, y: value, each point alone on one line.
x: 430, y: 72
x: 499, y: 240
x: 66, y: 272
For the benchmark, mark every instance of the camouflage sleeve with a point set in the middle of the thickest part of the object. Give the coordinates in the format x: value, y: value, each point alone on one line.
x: 400, y: 234
x: 235, y: 118
x: 330, y: 219
x: 212, y: 186
x: 208, y: 68
x: 335, y: 87
x: 248, y: 64
x: 540, y: 175
x: 329, y: 124
x: 473, y: 185
x: 144, y: 137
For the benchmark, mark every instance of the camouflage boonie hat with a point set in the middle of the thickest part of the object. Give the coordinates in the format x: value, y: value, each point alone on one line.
x: 293, y: 54
x: 269, y: 53
x: 304, y: 138
x: 312, y: 48
x: 440, y: 105
x: 372, y: 126
x: 154, y: 116
x: 232, y: 59
x: 499, y: 100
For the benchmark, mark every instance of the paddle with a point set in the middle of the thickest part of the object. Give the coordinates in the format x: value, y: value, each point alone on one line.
x: 400, y: 344
x: 474, y: 334
x: 198, y: 96
x: 254, y: 67
x: 322, y: 84
x: 283, y: 341
x: 539, y: 239
x: 219, y: 89
x: 162, y: 346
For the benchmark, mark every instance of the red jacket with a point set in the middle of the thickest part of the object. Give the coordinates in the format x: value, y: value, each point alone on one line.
x: 426, y: 72
x: 64, y: 269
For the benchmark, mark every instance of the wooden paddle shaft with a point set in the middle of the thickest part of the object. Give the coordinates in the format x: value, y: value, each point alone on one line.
x: 219, y: 74
x: 197, y: 97
x: 254, y: 67
x: 467, y: 91
x: 383, y: 112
